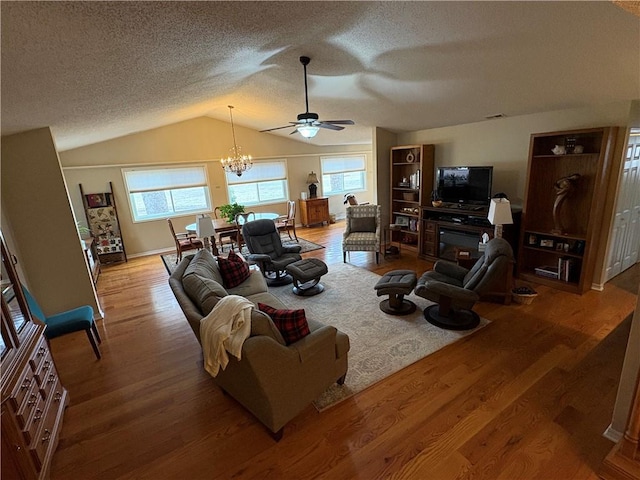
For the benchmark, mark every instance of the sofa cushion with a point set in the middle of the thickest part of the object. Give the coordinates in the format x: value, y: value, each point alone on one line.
x: 234, y: 270
x: 204, y: 264
x: 261, y: 324
x: 256, y: 283
x: 292, y: 323
x: 362, y: 224
x: 203, y: 292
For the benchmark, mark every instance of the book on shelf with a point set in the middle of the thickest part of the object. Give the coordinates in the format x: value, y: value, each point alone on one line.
x: 566, y: 266
x: 549, y: 271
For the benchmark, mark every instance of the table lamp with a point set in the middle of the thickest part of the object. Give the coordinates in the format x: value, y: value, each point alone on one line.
x: 205, y: 229
x: 312, y: 179
x: 499, y: 214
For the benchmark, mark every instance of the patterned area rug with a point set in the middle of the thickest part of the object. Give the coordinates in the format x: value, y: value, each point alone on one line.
x: 381, y: 344
x: 169, y: 259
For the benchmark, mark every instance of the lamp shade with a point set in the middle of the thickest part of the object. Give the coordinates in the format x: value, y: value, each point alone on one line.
x: 312, y: 178
x: 308, y: 131
x: 204, y: 226
x: 500, y: 212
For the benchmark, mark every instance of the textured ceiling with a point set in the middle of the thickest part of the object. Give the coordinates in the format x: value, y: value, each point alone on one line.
x: 97, y: 70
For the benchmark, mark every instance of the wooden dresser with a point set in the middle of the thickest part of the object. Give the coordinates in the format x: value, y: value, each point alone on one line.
x: 33, y: 399
x: 314, y: 210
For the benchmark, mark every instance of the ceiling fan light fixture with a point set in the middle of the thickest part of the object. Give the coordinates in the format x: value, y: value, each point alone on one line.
x: 308, y: 131
x: 236, y: 162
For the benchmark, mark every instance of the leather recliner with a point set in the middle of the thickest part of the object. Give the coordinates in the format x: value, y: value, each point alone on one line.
x: 265, y: 248
x: 456, y: 289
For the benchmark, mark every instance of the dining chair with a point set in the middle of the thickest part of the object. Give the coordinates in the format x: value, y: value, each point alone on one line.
x: 288, y: 222
x: 184, y: 241
x: 225, y: 238
x: 241, y: 219
x: 74, y: 320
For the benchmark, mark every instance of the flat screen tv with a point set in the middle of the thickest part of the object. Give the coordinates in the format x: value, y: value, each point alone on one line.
x: 465, y: 185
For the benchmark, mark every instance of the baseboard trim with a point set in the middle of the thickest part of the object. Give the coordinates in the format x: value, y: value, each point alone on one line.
x: 597, y: 286
x: 612, y: 434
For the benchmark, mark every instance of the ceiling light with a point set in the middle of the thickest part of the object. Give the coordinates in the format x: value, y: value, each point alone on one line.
x: 236, y: 162
x: 308, y: 131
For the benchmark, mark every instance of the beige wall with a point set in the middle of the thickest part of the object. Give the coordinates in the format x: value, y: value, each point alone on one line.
x: 383, y: 141
x: 201, y: 140
x: 37, y: 212
x: 504, y: 143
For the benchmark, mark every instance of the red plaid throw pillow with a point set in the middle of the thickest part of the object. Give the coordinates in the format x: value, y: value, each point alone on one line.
x: 233, y: 269
x: 292, y: 323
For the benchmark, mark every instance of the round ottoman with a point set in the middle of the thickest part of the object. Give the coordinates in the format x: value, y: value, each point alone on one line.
x: 306, y: 275
x: 397, y: 284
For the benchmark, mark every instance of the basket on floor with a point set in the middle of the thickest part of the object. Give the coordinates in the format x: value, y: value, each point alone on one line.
x: 523, y: 295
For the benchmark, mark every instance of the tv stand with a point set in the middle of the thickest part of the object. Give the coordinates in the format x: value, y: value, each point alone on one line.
x: 454, y: 226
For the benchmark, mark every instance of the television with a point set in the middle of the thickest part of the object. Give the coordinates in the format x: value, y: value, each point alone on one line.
x: 464, y: 185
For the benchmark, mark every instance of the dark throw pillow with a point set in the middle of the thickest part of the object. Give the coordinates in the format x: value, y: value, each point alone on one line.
x: 292, y: 324
x: 234, y: 270
x: 363, y: 224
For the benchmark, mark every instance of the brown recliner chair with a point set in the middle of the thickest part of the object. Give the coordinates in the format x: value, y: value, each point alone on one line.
x: 456, y: 289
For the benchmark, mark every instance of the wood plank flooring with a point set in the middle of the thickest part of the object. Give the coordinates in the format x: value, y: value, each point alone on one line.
x: 527, y: 397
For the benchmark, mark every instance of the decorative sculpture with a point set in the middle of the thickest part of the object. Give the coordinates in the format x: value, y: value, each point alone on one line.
x: 563, y: 187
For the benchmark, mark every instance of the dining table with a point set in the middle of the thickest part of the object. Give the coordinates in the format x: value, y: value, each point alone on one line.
x: 221, y: 225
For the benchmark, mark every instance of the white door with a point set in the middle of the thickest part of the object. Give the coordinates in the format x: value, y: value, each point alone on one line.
x: 625, y: 235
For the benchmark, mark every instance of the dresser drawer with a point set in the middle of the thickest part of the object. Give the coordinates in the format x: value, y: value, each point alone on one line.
x: 47, y: 434
x: 34, y: 421
x: 22, y: 388
x: 28, y: 405
x: 39, y: 353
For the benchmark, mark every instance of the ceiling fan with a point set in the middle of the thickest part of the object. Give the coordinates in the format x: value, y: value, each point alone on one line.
x: 308, y: 122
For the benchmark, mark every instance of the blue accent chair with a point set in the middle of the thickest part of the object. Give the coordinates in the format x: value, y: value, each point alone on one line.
x: 74, y: 320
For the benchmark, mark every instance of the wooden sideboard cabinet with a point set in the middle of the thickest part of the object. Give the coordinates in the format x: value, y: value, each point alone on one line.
x: 314, y: 210
x: 33, y: 398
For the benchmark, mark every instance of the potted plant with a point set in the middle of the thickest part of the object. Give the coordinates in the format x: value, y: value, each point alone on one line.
x: 230, y: 210
x: 436, y: 200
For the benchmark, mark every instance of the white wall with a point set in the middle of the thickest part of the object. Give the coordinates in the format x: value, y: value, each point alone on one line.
x: 201, y: 140
x: 504, y: 143
x: 36, y: 207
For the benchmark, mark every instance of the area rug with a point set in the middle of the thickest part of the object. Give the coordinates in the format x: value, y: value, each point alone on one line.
x: 169, y: 259
x: 381, y: 344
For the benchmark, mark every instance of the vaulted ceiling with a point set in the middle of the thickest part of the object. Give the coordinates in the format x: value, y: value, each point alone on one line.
x: 98, y: 70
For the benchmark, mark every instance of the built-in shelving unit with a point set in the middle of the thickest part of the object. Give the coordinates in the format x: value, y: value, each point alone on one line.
x: 411, y: 185
x: 560, y: 220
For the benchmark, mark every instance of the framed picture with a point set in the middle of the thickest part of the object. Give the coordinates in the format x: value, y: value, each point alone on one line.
x: 546, y: 243
x: 533, y: 240
x: 559, y: 246
x: 402, y: 221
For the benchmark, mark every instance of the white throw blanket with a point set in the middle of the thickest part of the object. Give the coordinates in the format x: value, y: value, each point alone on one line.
x: 224, y: 330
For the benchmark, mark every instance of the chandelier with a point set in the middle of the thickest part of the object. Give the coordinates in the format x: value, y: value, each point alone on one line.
x: 236, y: 162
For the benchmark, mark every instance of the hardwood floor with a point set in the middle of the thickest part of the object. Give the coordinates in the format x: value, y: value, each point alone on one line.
x: 527, y: 397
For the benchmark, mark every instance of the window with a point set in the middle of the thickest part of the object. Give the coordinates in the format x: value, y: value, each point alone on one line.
x: 343, y: 174
x: 266, y: 182
x: 167, y: 192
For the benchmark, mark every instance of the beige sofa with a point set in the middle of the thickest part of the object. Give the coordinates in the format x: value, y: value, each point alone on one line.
x: 273, y: 381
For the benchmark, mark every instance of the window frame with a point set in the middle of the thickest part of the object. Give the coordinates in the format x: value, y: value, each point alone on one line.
x: 205, y: 184
x: 345, y: 156
x: 240, y: 181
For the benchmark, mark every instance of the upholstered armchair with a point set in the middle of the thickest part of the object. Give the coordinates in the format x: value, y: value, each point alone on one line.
x: 456, y: 289
x: 265, y: 248
x: 363, y: 231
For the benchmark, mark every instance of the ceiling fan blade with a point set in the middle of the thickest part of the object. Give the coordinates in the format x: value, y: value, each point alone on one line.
x: 328, y: 125
x: 339, y: 122
x: 276, y: 128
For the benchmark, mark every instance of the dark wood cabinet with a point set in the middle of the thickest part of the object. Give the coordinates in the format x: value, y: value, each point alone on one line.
x: 314, y: 210
x: 563, y: 210
x: 33, y: 398
x: 411, y: 183
x: 447, y: 229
